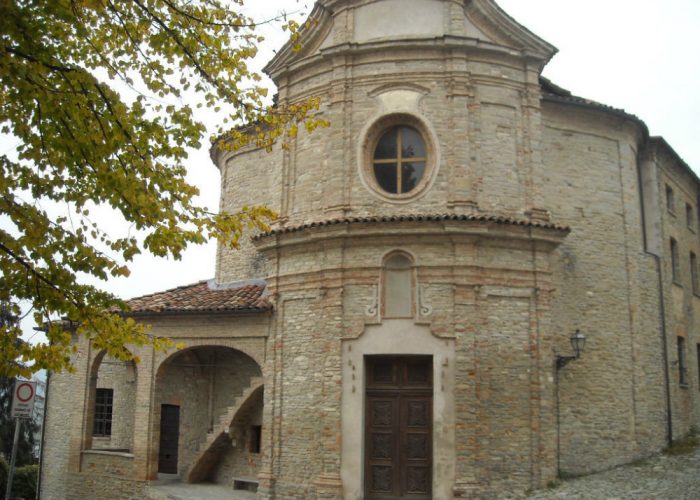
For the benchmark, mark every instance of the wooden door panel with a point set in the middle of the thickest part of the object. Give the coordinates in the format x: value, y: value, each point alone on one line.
x: 416, y: 437
x: 418, y: 482
x: 417, y: 447
x: 417, y: 412
x: 381, y: 445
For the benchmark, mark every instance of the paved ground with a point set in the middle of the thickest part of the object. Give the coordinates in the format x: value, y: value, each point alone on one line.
x: 171, y: 489
x: 661, y: 477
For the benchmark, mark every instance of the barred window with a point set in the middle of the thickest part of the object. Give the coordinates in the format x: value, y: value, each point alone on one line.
x: 103, y: 412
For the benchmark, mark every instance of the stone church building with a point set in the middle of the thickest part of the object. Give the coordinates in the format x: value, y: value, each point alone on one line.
x: 404, y: 330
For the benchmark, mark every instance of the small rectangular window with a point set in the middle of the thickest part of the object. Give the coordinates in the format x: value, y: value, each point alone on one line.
x: 689, y: 216
x: 670, y: 200
x: 682, y: 371
x: 694, y: 273
x: 675, y: 263
x: 103, y: 412
x: 698, y: 360
x: 255, y: 438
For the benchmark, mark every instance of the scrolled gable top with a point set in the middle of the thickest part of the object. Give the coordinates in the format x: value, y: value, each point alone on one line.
x: 338, y: 25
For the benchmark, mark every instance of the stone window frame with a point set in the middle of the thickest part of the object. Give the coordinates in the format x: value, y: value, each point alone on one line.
x: 120, y: 440
x: 385, y: 288
x: 695, y: 284
x: 368, y: 144
x: 690, y: 216
x: 396, y: 163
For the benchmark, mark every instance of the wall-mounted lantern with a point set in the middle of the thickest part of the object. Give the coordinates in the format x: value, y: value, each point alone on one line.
x: 578, y: 343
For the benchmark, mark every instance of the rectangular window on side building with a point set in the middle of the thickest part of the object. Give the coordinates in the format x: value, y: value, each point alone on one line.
x: 690, y: 216
x: 675, y: 262
x: 670, y: 200
x: 103, y: 412
x: 682, y: 371
x: 694, y: 273
x: 698, y: 360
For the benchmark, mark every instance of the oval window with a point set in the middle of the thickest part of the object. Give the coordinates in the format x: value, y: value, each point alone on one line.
x: 399, y: 160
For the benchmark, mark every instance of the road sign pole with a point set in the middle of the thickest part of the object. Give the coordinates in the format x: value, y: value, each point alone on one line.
x: 11, y: 471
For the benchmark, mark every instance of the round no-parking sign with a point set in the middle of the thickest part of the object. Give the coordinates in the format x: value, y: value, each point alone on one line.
x: 23, y: 399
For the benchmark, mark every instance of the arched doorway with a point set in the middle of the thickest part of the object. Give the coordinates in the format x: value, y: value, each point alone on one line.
x: 208, y: 411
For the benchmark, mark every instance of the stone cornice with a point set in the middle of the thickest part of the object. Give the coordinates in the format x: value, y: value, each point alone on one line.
x: 480, y: 225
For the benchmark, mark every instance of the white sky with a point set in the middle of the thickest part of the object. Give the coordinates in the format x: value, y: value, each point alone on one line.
x: 639, y: 55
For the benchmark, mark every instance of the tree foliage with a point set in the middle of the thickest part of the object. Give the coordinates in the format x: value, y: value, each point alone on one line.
x: 101, y: 98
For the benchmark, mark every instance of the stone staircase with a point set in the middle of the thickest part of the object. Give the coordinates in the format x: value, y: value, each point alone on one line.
x: 218, y: 438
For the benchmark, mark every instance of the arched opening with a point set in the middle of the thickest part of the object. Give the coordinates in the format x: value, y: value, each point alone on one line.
x: 111, y: 405
x: 199, y: 392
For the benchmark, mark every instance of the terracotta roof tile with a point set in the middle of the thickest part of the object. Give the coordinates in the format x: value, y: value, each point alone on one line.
x: 411, y: 218
x: 200, y: 297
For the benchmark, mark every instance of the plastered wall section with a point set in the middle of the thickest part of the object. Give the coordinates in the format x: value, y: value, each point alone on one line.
x: 606, y: 287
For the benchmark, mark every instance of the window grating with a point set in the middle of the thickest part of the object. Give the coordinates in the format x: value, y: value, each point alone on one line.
x: 103, y: 412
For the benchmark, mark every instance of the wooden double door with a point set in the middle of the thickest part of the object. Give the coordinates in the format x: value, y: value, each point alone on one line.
x: 398, y: 427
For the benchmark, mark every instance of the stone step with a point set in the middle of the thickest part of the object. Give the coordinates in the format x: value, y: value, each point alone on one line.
x: 215, y: 440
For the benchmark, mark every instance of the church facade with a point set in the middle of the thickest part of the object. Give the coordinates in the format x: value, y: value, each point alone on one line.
x: 404, y: 330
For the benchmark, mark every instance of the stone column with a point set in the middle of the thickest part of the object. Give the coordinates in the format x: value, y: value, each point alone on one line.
x: 144, y: 413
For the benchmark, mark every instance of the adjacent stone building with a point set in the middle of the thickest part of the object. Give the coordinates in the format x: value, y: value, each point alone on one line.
x: 402, y: 331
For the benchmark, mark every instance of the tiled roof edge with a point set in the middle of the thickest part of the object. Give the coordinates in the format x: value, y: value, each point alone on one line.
x: 181, y: 287
x: 214, y: 286
x: 415, y: 218
x: 190, y: 312
x: 554, y: 93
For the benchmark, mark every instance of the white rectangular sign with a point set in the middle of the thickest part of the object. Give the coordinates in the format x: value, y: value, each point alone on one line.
x: 23, y: 399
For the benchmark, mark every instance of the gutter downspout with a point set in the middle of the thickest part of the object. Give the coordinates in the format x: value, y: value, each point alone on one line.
x: 664, y: 351
x: 662, y: 308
